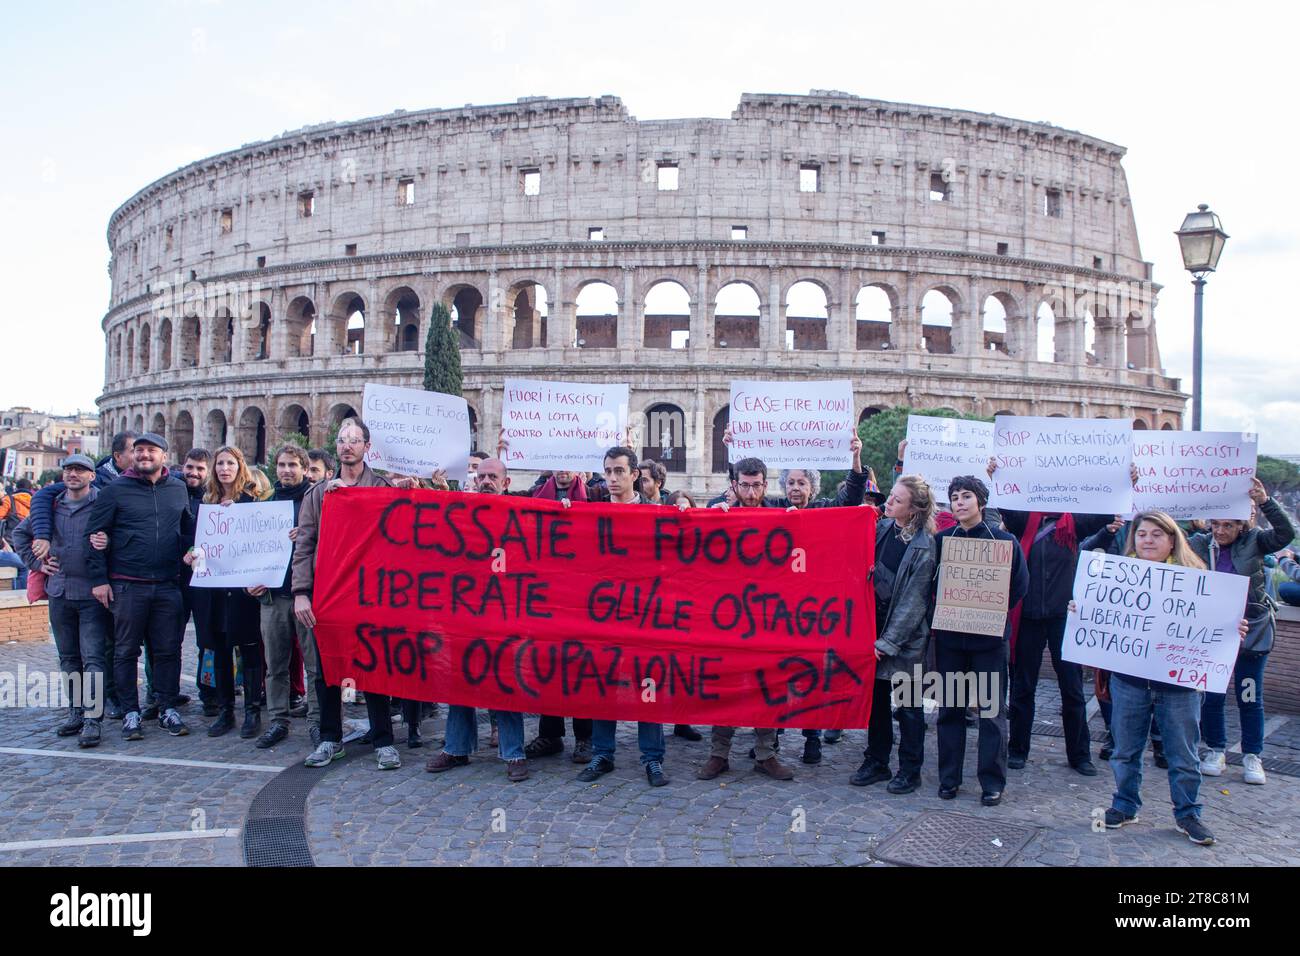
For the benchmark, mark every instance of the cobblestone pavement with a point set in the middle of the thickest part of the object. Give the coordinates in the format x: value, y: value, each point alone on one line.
x: 357, y: 814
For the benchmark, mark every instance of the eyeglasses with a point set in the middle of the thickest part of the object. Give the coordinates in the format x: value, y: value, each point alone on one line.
x: 751, y: 486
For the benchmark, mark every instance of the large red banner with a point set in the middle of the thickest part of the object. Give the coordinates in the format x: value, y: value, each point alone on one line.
x: 752, y: 617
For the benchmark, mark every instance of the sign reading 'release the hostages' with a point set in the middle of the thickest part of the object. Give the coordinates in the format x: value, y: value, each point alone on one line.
x: 1194, y: 474
x: 1163, y: 622
x: 753, y: 617
x: 414, y: 432
x: 940, y: 449
x: 562, y: 426
x: 793, y: 424
x: 243, y: 545
x: 1063, y: 464
x: 974, y: 586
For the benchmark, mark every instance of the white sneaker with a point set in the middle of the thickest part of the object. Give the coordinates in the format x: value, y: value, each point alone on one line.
x: 1254, y: 768
x: 388, y: 758
x: 1212, y: 763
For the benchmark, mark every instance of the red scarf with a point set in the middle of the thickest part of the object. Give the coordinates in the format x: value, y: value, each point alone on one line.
x: 1064, y: 535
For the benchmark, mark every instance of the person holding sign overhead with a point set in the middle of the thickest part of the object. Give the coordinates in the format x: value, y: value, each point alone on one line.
x: 1134, y: 700
x: 974, y: 661
x: 1234, y: 547
x: 1050, y: 542
x: 226, y: 618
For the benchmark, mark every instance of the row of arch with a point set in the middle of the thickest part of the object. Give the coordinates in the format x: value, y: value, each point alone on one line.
x: 670, y: 316
x: 663, y: 430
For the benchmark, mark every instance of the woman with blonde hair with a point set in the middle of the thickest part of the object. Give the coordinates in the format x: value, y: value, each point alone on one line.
x: 226, y: 618
x: 1154, y: 536
x: 904, y: 568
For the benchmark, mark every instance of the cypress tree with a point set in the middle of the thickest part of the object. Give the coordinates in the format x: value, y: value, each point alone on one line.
x: 442, y: 354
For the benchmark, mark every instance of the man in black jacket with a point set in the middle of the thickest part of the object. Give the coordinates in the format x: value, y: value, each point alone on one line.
x: 147, y: 520
x: 279, y: 626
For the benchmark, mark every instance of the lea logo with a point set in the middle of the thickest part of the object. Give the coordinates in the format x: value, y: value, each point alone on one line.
x: 75, y: 909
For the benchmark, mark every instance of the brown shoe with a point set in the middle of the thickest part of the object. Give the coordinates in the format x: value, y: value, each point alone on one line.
x: 712, y: 767
x: 444, y: 761
x: 516, y: 770
x: 774, y: 769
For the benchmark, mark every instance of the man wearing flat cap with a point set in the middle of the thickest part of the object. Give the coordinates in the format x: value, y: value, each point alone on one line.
x: 147, y: 520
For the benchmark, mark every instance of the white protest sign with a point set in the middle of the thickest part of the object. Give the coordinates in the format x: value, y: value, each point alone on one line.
x: 940, y: 449
x: 243, y: 545
x: 793, y: 424
x: 1163, y: 622
x: 414, y: 432
x: 1194, y: 474
x: 562, y: 426
x: 1063, y: 464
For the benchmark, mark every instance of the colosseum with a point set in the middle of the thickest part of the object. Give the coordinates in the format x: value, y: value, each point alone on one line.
x: 935, y: 257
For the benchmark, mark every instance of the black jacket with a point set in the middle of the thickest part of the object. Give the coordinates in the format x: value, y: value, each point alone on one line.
x: 1019, y: 582
x: 149, y: 527
x: 293, y: 494
x: 1051, y: 566
x: 852, y: 494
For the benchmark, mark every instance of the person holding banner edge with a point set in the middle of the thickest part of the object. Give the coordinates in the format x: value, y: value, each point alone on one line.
x: 905, y: 566
x: 975, y: 658
x: 1234, y: 547
x: 351, y: 445
x: 1134, y: 701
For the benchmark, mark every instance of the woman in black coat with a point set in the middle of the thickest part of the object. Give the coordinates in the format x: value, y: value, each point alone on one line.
x: 226, y: 618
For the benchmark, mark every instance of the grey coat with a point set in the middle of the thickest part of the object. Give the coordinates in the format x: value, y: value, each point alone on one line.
x: 906, y: 630
x: 1248, y: 553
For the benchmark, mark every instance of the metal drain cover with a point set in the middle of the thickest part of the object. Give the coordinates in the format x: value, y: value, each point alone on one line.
x: 274, y: 829
x: 941, y: 838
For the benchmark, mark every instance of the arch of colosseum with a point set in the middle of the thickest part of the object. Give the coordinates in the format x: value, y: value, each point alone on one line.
x: 932, y: 256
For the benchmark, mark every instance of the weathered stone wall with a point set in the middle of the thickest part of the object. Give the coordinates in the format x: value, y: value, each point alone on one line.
x: 220, y: 276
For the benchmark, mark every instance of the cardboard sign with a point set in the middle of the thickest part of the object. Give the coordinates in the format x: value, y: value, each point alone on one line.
x: 753, y: 617
x: 974, y: 586
x: 941, y: 449
x: 793, y: 424
x: 562, y: 426
x: 1063, y: 464
x: 414, y: 432
x: 1163, y: 622
x: 1194, y: 474
x: 243, y: 545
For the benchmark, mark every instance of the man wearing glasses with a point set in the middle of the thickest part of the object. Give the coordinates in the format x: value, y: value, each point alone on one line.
x: 351, y: 446
x: 751, y: 492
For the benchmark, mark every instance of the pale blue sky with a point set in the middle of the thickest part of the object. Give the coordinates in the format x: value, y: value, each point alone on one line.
x: 98, y: 99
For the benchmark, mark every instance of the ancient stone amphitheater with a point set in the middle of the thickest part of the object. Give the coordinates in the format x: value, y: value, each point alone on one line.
x: 935, y: 257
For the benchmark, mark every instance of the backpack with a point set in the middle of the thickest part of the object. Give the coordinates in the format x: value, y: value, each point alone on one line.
x: 10, y: 521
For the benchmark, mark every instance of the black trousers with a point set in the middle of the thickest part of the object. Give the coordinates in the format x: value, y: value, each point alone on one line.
x: 145, y: 614
x: 971, y: 658
x: 223, y: 672
x: 911, y: 730
x: 554, y: 727
x: 1034, y: 636
x: 378, y: 711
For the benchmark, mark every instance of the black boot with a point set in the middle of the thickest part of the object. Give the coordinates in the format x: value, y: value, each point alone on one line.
x: 72, y: 726
x: 224, y: 723
x: 252, y: 689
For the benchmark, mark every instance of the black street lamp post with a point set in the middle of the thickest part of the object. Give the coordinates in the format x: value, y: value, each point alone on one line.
x: 1201, y: 239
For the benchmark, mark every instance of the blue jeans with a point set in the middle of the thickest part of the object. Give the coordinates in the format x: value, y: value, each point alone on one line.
x: 81, y: 636
x: 649, y: 738
x: 1247, y: 682
x: 1289, y: 592
x: 1177, y: 709
x: 462, y: 732
x: 9, y: 559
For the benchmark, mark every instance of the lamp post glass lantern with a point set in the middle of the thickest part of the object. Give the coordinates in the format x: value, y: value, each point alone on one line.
x: 1201, y: 240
